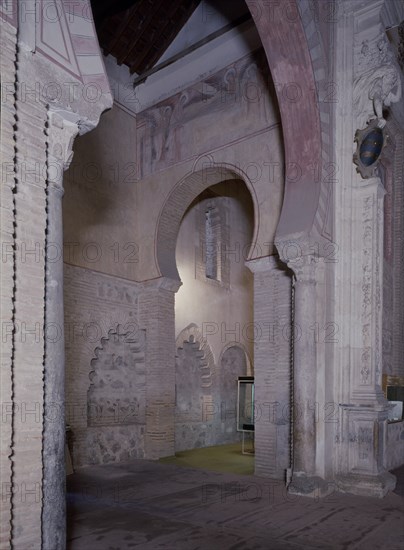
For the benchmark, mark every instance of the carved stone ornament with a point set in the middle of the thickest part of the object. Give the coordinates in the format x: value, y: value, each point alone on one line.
x: 374, y: 90
x: 370, y: 144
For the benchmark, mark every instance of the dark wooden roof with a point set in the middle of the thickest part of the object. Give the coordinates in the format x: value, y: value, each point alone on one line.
x: 138, y: 32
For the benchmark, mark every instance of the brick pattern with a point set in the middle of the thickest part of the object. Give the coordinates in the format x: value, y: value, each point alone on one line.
x: 156, y: 315
x: 30, y: 240
x: 192, y: 185
x: 272, y: 364
x: 7, y: 228
x: 96, y: 305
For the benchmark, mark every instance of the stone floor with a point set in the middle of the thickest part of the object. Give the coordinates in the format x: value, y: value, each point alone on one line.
x: 150, y: 506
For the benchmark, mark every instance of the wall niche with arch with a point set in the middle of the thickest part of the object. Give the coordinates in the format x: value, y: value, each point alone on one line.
x: 116, y: 398
x: 206, y: 393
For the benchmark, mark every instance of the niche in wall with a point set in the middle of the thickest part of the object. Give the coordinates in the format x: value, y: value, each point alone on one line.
x: 117, y: 394
x: 116, y: 399
x: 196, y: 392
x: 206, y: 394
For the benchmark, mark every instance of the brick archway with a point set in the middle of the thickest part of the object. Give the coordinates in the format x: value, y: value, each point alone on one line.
x: 174, y: 208
x: 284, y: 40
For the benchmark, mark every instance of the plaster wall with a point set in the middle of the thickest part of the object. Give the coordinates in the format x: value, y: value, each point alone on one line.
x: 229, y: 120
x: 223, y: 312
x: 99, y: 206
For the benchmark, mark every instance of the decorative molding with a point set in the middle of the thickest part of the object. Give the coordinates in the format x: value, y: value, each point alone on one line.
x: 375, y: 89
x: 304, y: 268
x: 192, y: 334
x: 61, y: 135
x: 117, y: 394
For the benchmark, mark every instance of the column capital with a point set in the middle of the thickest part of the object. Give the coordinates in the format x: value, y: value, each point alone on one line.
x: 61, y: 134
x: 266, y: 263
x: 162, y: 283
x: 305, y: 268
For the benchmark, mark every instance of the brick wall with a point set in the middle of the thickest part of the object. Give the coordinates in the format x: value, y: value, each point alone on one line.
x: 103, y: 341
x: 7, y: 209
x: 272, y: 364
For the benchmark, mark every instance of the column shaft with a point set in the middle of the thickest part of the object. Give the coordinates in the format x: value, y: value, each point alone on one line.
x: 304, y: 433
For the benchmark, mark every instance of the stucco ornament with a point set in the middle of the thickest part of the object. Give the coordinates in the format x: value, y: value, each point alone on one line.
x: 375, y: 89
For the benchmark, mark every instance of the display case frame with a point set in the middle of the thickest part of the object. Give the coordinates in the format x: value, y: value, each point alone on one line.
x: 245, y: 410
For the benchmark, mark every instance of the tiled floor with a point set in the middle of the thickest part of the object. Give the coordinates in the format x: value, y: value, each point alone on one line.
x: 150, y: 506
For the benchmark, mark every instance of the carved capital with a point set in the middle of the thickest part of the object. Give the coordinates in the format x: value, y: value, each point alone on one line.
x: 162, y: 283
x: 61, y: 134
x: 305, y: 268
x: 267, y: 263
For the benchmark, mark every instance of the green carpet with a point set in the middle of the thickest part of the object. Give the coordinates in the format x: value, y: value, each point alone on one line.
x: 222, y: 458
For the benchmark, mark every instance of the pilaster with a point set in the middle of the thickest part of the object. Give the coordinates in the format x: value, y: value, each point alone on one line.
x: 157, y: 316
x: 272, y: 365
x: 362, y: 57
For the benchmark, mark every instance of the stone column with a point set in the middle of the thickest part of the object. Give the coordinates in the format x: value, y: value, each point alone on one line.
x: 306, y: 476
x: 272, y: 365
x: 157, y: 316
x: 60, y: 140
x: 304, y: 373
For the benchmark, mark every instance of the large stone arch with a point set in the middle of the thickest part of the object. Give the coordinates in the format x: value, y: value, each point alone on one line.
x: 175, y: 206
x: 287, y: 50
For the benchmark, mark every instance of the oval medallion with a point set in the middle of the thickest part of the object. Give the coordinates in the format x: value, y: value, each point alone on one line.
x: 371, y: 147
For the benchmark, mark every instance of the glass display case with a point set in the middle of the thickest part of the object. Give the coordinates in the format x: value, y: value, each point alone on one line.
x: 245, y: 410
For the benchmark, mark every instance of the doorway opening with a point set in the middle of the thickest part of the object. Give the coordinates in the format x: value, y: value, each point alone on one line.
x: 213, y: 320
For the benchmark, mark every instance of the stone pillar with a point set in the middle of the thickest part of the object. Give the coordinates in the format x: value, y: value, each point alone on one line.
x: 363, y: 413
x: 304, y: 370
x: 272, y: 365
x: 307, y: 470
x: 360, y: 439
x: 157, y: 316
x: 60, y: 140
